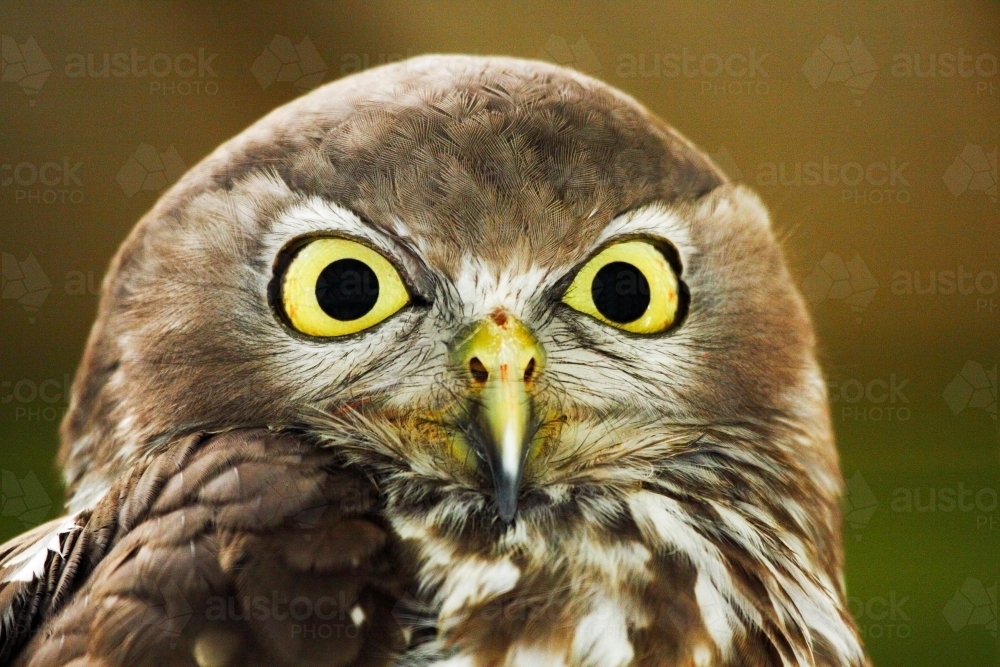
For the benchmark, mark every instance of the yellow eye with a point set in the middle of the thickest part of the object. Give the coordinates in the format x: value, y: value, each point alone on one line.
x: 629, y: 285
x: 335, y: 287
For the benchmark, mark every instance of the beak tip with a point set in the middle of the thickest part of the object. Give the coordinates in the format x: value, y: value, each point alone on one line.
x: 507, y: 510
x: 506, y: 489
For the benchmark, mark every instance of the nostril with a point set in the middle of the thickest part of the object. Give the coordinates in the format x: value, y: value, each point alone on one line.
x: 478, y: 370
x: 529, y: 370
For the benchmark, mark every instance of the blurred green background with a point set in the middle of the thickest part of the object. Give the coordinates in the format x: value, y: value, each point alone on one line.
x: 870, y: 129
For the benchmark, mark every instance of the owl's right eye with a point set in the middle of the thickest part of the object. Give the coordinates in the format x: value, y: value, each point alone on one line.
x: 630, y: 286
x: 335, y: 287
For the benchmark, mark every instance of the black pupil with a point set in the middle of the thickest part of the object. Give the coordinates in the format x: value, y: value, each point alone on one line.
x: 620, y: 292
x: 347, y: 289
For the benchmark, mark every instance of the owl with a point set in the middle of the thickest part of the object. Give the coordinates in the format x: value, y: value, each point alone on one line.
x: 462, y: 362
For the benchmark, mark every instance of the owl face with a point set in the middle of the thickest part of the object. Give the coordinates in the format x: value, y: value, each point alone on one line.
x: 481, y: 371
x: 475, y: 285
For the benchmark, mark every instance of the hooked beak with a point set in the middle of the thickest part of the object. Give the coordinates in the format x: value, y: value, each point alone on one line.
x: 502, y: 359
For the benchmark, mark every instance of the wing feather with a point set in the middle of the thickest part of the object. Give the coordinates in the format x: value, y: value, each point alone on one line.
x: 248, y: 547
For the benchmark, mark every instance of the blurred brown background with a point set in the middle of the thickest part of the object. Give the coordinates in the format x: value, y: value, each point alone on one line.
x: 871, y: 130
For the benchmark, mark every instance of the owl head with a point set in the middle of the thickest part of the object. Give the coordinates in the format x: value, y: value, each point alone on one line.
x: 503, y: 288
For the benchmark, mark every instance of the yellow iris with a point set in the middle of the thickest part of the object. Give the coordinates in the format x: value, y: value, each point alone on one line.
x: 629, y: 285
x: 336, y: 287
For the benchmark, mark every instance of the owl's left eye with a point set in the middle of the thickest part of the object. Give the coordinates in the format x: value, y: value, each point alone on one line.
x: 629, y: 285
x: 336, y: 287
